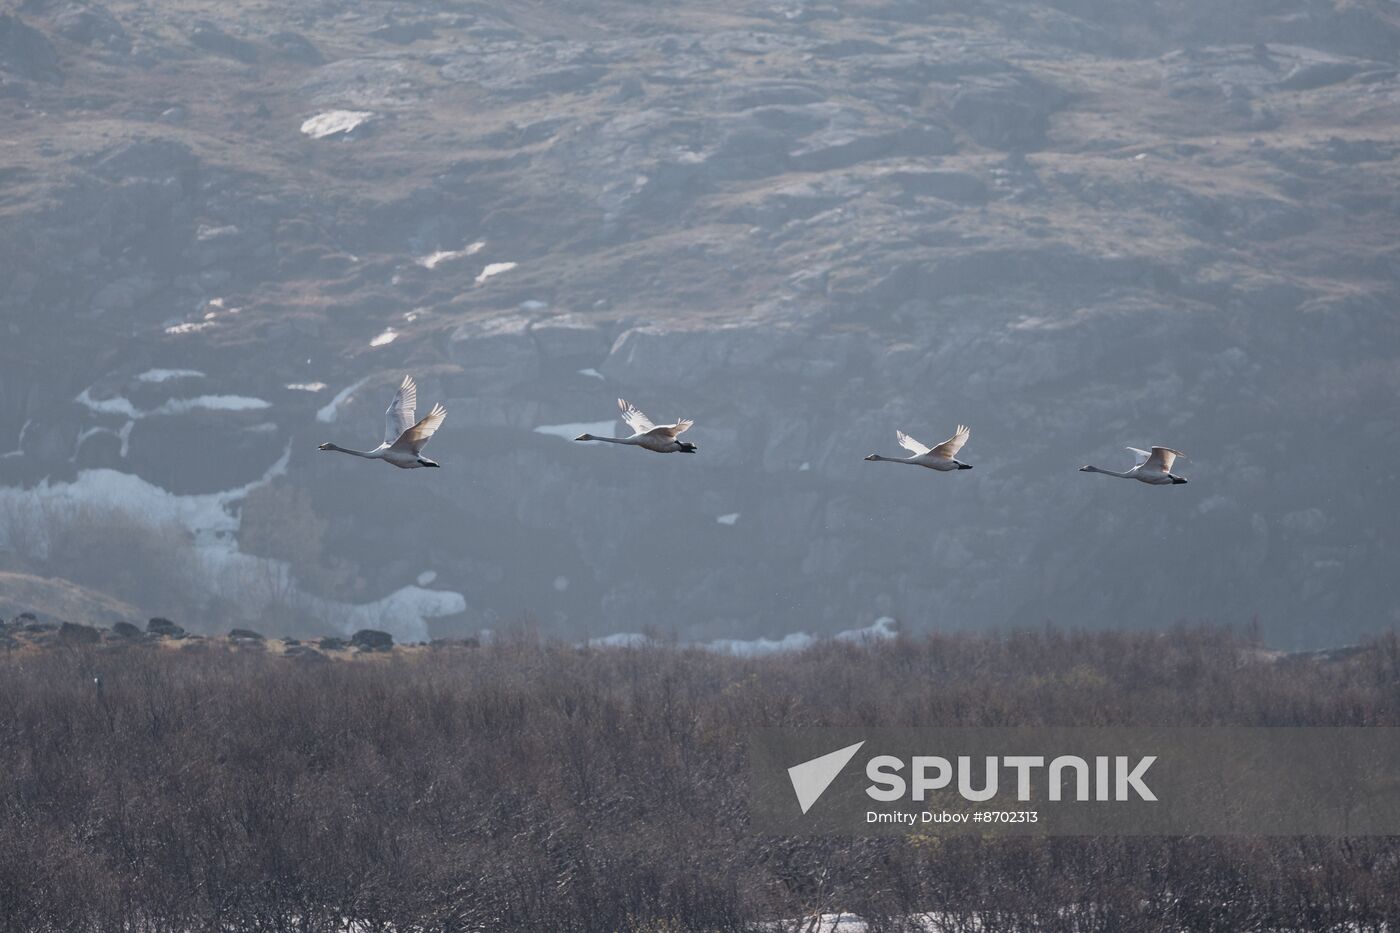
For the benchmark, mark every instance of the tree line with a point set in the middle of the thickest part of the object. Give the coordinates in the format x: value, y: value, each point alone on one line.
x: 531, y: 785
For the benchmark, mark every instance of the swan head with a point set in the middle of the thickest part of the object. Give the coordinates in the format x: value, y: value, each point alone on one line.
x: 326, y: 447
x: 1087, y: 469
x: 584, y: 437
x: 873, y: 457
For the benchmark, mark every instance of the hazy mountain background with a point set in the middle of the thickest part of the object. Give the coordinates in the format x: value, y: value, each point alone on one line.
x: 227, y: 230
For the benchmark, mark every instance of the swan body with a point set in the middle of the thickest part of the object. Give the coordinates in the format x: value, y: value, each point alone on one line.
x: 403, y: 437
x: 660, y: 438
x: 943, y: 458
x: 1153, y: 467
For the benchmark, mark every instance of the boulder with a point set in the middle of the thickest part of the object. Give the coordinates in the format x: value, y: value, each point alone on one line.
x: 369, y: 639
x: 125, y: 630
x: 441, y: 643
x: 208, y: 36
x: 1002, y: 113
x: 295, y: 46
x: 77, y: 634
x: 244, y: 634
x: 331, y: 643
x: 92, y: 25
x: 165, y: 628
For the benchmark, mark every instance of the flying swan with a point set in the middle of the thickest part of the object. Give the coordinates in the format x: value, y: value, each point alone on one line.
x: 941, y: 458
x: 660, y: 438
x: 1153, y: 467
x: 403, y: 438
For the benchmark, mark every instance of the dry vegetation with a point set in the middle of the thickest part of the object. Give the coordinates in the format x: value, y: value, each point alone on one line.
x: 523, y: 786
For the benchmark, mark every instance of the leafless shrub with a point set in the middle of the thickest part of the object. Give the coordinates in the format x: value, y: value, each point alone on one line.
x: 529, y: 786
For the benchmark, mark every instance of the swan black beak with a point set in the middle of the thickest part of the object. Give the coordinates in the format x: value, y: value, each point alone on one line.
x: 324, y: 447
x: 872, y: 456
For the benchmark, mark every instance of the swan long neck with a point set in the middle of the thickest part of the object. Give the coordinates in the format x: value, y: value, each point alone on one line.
x: 615, y: 440
x: 1094, y: 469
x: 881, y: 459
x: 354, y: 453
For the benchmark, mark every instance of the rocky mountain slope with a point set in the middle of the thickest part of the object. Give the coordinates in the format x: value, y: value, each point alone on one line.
x: 227, y: 230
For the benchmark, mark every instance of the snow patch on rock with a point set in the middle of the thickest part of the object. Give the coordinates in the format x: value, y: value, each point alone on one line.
x: 494, y: 269
x: 335, y: 122
x: 165, y: 375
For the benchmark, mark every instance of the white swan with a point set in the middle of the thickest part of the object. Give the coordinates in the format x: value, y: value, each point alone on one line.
x: 942, y: 458
x: 1153, y: 467
x: 403, y: 438
x: 660, y: 438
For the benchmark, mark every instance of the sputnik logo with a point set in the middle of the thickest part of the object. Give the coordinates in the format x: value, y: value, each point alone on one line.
x: 811, y: 778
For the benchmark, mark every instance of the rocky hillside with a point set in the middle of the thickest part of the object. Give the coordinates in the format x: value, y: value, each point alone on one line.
x: 227, y: 230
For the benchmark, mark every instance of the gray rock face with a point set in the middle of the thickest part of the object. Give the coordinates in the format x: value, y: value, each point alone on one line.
x: 209, y: 36
x: 1006, y: 113
x: 92, y: 26
x: 25, y: 52
x: 1071, y: 227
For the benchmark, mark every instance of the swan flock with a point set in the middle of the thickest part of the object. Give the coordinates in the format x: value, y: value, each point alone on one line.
x: 404, y: 439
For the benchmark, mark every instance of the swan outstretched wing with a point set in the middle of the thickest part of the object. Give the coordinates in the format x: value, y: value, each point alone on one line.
x: 1162, y: 459
x: 672, y: 430
x: 399, y: 417
x: 952, y: 445
x: 1140, y: 455
x: 415, y: 437
x: 911, y: 445
x: 638, y: 422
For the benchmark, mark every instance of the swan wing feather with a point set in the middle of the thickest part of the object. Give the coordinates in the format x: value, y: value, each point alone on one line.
x: 911, y: 445
x: 399, y: 416
x: 672, y: 430
x: 632, y: 415
x: 949, y: 448
x: 415, y: 437
x: 1162, y: 459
